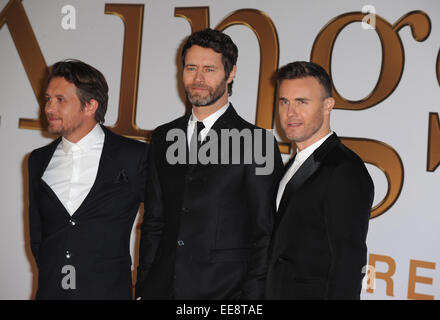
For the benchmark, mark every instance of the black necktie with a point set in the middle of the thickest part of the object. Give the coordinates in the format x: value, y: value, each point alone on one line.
x: 196, y: 138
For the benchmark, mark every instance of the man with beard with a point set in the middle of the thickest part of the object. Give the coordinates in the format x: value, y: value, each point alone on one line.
x: 85, y: 189
x: 206, y: 227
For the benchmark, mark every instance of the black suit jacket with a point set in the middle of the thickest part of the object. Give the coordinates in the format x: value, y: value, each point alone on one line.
x: 318, y: 247
x: 206, y: 228
x: 95, y: 239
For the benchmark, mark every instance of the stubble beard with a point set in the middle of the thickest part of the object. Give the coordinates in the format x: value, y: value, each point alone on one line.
x: 213, y: 96
x: 62, y: 130
x: 307, y: 133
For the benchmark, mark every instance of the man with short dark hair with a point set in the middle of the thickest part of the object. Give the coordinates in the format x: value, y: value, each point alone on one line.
x: 318, y: 248
x: 85, y: 189
x: 207, y: 225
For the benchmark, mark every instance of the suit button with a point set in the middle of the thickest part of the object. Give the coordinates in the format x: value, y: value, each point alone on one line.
x: 180, y: 243
x: 190, y: 178
x: 68, y: 254
x: 185, y: 210
x: 72, y: 222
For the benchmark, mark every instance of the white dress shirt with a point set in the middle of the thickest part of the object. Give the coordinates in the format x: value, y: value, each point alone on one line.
x: 72, y: 170
x: 300, y: 158
x: 208, y: 122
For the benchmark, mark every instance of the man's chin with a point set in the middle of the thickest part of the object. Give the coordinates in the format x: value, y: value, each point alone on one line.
x: 201, y: 105
x: 294, y: 138
x: 53, y: 130
x: 200, y: 102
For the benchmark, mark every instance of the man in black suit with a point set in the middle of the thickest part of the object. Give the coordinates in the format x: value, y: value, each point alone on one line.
x: 207, y: 225
x: 85, y: 189
x: 324, y: 199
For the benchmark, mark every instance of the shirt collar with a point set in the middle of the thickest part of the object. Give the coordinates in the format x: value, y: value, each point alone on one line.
x: 96, y: 135
x: 209, y: 121
x: 305, y: 153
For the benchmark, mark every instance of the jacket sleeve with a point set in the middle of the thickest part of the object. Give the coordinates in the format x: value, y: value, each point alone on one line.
x: 34, y: 214
x: 260, y: 192
x: 152, y: 224
x: 142, y: 173
x: 347, y: 212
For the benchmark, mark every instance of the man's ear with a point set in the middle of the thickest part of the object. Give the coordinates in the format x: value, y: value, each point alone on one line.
x: 232, y: 74
x: 329, y: 103
x: 91, y: 107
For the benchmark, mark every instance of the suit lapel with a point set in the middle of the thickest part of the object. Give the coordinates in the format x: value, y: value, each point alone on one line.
x: 48, y: 156
x: 106, y: 169
x: 307, y: 169
x: 226, y: 120
x: 183, y: 125
x: 42, y: 168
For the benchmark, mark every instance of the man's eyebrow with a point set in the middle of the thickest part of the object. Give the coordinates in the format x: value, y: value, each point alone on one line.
x: 204, y: 66
x: 59, y: 95
x: 302, y: 99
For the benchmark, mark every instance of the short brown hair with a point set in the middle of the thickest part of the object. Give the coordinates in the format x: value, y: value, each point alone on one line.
x: 219, y: 42
x: 90, y: 83
x: 302, y: 69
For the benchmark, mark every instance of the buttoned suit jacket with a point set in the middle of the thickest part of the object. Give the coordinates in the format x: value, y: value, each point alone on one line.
x: 206, y: 228
x: 318, y: 247
x: 95, y: 239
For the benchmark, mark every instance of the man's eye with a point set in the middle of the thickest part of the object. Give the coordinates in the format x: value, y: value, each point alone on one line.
x: 284, y: 102
x: 60, y: 99
x: 210, y: 70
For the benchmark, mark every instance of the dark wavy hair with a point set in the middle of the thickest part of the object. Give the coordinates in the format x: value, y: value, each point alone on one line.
x: 217, y: 41
x: 302, y: 69
x: 89, y: 83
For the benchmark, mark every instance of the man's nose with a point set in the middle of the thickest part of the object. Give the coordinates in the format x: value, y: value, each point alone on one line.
x: 291, y: 110
x: 48, y: 106
x: 200, y: 77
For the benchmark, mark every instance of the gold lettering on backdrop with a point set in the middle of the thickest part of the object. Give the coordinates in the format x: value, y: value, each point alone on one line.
x: 386, y: 276
x: 434, y: 133
x: 14, y: 15
x: 132, y: 16
x: 392, y: 57
x: 414, y: 278
x: 36, y: 69
x: 433, y: 142
x: 265, y: 31
x: 438, y: 67
x: 267, y: 37
x: 389, y: 162
x: 197, y: 17
x: 375, y: 152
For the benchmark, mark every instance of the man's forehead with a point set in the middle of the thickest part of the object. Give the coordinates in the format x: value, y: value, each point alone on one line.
x: 300, y: 86
x: 200, y: 55
x: 59, y: 86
